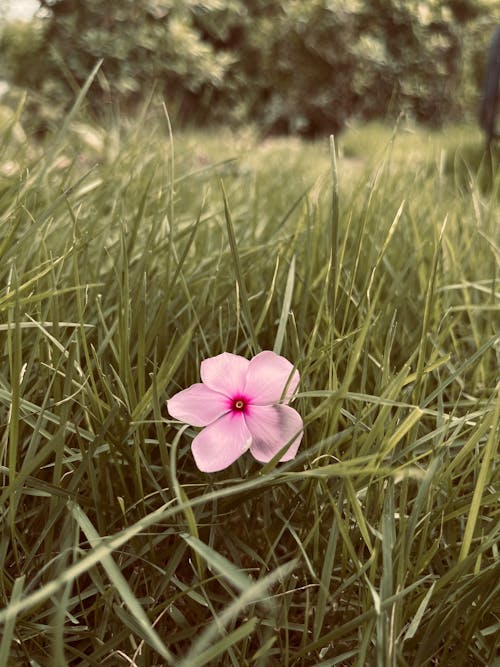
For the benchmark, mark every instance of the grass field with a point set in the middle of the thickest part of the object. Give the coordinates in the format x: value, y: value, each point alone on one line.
x: 127, y: 257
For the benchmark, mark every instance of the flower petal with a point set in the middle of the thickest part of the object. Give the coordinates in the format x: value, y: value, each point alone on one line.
x: 271, y: 427
x: 225, y: 373
x: 267, y: 376
x: 197, y: 405
x: 221, y: 443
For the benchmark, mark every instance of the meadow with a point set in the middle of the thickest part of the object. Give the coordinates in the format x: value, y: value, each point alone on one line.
x: 130, y: 253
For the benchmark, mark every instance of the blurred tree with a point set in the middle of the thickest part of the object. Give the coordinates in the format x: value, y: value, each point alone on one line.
x: 416, y: 64
x: 21, y: 48
x: 490, y: 100
x: 142, y: 42
x: 290, y: 65
x: 307, y: 67
x: 303, y: 67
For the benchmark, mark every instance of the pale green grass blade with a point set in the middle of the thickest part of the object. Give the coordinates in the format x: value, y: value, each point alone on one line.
x: 413, y: 418
x: 219, y: 563
x: 464, y: 366
x: 429, y: 301
x: 414, y: 625
x: 325, y: 581
x: 285, y: 309
x: 9, y: 625
x: 239, y: 274
x: 269, y: 299
x: 184, y: 502
x: 14, y: 351
x: 334, y: 231
x: 490, y: 456
x: 60, y: 137
x: 204, y: 657
x: 121, y: 585
x: 420, y: 500
x: 358, y: 513
x: 164, y: 374
x: 254, y: 592
x: 387, y: 240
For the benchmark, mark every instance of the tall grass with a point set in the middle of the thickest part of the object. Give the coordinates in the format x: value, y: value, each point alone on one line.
x: 129, y: 256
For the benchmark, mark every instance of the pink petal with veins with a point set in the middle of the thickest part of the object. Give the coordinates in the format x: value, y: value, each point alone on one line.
x: 267, y: 376
x: 221, y: 443
x: 197, y: 405
x: 225, y: 373
x: 271, y: 427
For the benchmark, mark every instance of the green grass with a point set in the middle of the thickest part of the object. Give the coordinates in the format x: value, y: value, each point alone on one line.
x: 120, y: 271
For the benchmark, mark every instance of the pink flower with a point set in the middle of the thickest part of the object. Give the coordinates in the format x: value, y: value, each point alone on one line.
x: 238, y: 403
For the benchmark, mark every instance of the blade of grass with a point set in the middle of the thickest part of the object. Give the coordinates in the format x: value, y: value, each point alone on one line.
x: 206, y: 656
x: 429, y: 301
x: 57, y: 143
x: 417, y: 619
x: 285, y: 309
x: 239, y: 274
x: 334, y: 231
x: 326, y: 576
x: 121, y: 585
x: 10, y: 624
x: 252, y: 593
x: 490, y: 455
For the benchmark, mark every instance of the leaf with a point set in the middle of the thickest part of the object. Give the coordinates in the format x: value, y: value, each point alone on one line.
x: 417, y: 619
x: 239, y: 274
x: 219, y: 563
x: 285, y: 309
x: 10, y: 623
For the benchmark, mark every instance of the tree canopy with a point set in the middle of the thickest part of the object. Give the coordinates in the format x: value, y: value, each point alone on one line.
x: 290, y: 65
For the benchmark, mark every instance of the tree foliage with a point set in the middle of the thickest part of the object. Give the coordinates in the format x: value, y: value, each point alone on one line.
x: 293, y: 66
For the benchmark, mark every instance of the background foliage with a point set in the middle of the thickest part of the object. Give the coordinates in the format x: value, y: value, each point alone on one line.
x: 292, y: 66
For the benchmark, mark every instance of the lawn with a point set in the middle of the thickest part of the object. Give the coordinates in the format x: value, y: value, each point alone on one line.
x: 129, y: 254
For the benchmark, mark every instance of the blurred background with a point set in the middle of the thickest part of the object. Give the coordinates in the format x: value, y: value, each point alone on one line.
x: 286, y: 66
